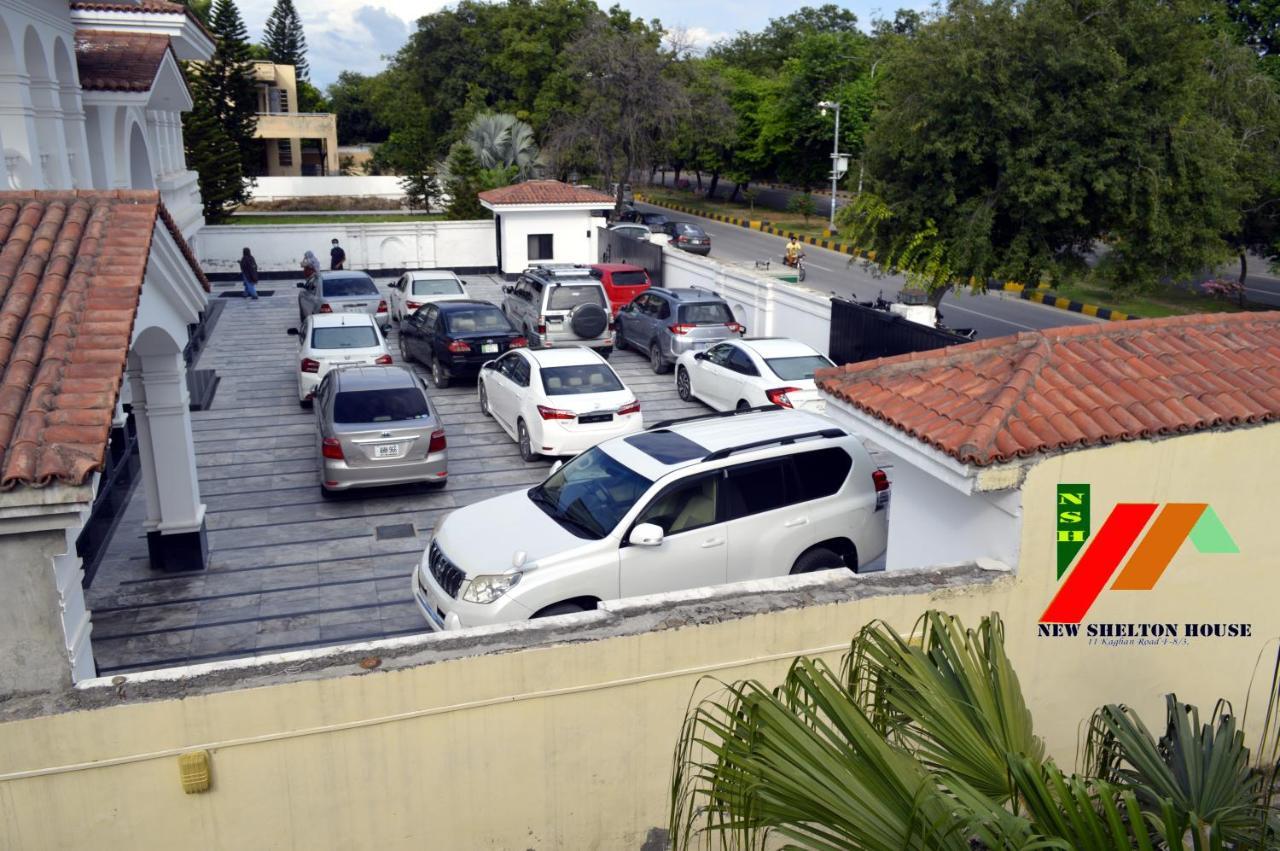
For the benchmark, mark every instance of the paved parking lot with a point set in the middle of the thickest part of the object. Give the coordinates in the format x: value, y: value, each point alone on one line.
x: 288, y: 569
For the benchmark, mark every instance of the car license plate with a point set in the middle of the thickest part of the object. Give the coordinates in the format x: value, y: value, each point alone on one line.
x: 488, y: 348
x: 386, y: 450
x: 355, y: 308
x: 595, y: 418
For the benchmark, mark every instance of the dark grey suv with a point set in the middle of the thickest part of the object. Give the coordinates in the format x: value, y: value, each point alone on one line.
x: 560, y: 305
x: 665, y: 324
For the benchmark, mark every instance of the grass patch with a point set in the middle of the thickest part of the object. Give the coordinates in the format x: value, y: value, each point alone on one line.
x: 782, y: 221
x: 1172, y: 301
x: 332, y: 219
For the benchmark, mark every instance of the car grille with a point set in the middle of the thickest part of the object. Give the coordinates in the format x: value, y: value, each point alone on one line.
x: 445, y: 572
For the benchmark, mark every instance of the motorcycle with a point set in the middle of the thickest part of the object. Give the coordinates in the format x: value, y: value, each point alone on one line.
x: 797, y: 264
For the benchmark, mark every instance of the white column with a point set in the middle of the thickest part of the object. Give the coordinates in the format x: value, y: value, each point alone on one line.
x: 52, y: 136
x: 146, y: 454
x: 168, y: 429
x: 17, y: 118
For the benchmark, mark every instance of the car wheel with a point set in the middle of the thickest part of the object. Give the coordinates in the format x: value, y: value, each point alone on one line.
x: 326, y: 493
x: 526, y: 444
x: 619, y: 341
x: 560, y: 609
x: 304, y: 404
x: 605, y: 351
x: 404, y: 352
x: 484, y: 401
x: 817, y: 559
x: 439, y: 375
x: 683, y: 388
x: 743, y: 406
x: 655, y: 360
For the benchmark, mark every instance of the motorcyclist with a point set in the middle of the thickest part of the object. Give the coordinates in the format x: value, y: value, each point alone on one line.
x: 793, y: 251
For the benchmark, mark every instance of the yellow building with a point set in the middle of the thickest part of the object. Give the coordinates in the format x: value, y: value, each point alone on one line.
x: 298, y: 144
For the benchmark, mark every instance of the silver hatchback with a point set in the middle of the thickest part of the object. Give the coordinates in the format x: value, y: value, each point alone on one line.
x: 342, y: 292
x: 375, y: 425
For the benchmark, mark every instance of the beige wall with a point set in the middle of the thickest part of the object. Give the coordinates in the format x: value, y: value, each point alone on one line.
x: 288, y: 124
x: 569, y: 746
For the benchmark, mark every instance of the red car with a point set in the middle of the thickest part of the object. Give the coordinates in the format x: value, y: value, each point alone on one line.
x: 622, y: 281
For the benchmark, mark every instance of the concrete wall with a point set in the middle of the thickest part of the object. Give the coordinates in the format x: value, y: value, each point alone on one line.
x: 376, y: 186
x: 767, y: 307
x: 573, y: 235
x: 567, y: 742
x: 36, y: 642
x: 373, y: 246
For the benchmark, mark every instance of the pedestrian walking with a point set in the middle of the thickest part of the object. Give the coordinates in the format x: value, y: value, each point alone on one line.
x: 336, y: 256
x: 310, y: 265
x: 249, y: 274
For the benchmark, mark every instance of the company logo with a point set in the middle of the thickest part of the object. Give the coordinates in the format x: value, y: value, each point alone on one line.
x: 1127, y: 524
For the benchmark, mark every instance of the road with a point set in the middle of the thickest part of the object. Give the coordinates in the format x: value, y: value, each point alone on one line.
x: 993, y: 315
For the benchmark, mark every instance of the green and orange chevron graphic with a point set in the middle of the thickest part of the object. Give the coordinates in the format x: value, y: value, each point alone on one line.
x: 1127, y: 524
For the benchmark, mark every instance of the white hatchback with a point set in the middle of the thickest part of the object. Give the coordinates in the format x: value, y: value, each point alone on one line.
x: 557, y: 401
x: 330, y: 340
x: 750, y: 373
x: 424, y: 286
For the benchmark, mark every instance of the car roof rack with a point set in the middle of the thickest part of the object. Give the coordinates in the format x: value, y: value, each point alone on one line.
x: 786, y: 440
x: 712, y: 416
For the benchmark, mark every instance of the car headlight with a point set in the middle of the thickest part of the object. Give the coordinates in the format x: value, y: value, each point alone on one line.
x: 489, y: 587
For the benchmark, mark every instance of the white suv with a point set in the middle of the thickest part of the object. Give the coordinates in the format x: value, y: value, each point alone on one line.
x: 683, y: 504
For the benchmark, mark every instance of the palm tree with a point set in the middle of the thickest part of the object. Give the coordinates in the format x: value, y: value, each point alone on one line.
x: 927, y: 742
x: 502, y: 141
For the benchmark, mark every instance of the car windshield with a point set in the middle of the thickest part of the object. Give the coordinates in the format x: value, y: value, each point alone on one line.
x: 392, y: 404
x: 347, y: 337
x: 705, y: 313
x: 348, y: 286
x: 479, y: 320
x: 582, y: 378
x: 436, y: 286
x: 565, y: 297
x: 797, y: 368
x: 591, y: 494
x: 628, y: 279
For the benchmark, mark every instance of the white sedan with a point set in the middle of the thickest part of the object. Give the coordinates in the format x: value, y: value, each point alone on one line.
x: 330, y: 340
x: 424, y: 286
x: 557, y: 401
x: 749, y: 373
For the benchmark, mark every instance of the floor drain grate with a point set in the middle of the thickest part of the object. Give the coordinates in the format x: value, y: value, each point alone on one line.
x: 395, y: 530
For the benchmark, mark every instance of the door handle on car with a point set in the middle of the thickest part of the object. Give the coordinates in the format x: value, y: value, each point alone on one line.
x: 799, y: 521
x: 712, y: 542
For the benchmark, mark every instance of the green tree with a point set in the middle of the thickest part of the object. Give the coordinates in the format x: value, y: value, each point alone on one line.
x: 802, y: 204
x: 199, y: 8
x: 283, y: 37
x: 311, y: 99
x: 928, y: 742
x: 213, y: 156
x: 764, y: 52
x: 352, y: 99
x: 465, y: 179
x: 226, y: 83
x: 500, y: 140
x: 1013, y: 136
x: 422, y: 191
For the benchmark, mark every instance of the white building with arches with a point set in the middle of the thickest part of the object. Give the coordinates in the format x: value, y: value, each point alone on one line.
x: 101, y: 302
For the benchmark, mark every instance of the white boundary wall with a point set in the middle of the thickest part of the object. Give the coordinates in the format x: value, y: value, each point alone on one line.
x: 369, y: 247
x: 368, y: 186
x: 768, y: 307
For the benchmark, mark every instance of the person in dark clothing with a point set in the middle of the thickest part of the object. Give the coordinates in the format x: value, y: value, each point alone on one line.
x: 249, y: 274
x: 337, y: 256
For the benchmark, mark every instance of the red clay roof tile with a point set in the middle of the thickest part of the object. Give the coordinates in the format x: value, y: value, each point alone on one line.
x: 119, y: 61
x: 545, y: 192
x: 994, y: 400
x: 65, y: 326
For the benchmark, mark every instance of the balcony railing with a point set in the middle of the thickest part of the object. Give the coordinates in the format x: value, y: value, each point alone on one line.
x: 303, y: 114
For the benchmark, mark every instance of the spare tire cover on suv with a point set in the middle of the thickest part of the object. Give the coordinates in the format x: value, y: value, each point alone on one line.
x: 588, y: 321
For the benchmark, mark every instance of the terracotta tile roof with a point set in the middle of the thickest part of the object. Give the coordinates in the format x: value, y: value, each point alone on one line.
x: 119, y: 61
x: 142, y: 6
x: 1085, y: 385
x: 544, y: 192
x: 71, y: 272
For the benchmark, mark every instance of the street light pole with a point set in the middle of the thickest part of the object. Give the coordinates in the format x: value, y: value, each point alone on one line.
x: 835, y: 157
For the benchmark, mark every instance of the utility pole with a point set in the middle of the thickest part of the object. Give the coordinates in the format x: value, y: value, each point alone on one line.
x: 835, y: 157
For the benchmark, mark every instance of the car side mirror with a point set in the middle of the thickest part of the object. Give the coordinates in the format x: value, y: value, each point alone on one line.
x: 465, y: 283
x: 292, y: 332
x: 508, y: 290
x: 699, y: 355
x: 490, y: 365
x: 646, y: 535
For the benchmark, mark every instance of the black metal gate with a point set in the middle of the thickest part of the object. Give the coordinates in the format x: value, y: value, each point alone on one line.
x: 615, y: 247
x: 861, y: 332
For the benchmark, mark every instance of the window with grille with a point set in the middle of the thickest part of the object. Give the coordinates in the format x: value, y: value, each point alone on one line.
x: 285, y: 150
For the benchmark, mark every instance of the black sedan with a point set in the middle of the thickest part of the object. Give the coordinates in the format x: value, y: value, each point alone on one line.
x: 456, y: 338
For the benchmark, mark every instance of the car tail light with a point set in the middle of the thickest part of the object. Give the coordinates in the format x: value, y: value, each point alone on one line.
x: 682, y: 239
x: 881, y: 481
x: 518, y: 343
x: 629, y: 408
x: 778, y: 396
x: 382, y: 306
x: 679, y: 330
x: 437, y: 442
x: 309, y: 365
x: 412, y: 305
x: 736, y: 328
x: 331, y: 448
x: 555, y: 413
x: 458, y: 346
x: 383, y: 360
x: 324, y: 308
x: 542, y: 325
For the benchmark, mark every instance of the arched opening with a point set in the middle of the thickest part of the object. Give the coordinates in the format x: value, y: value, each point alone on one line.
x: 43, y: 89
x: 13, y: 114
x: 73, y: 129
x: 140, y: 174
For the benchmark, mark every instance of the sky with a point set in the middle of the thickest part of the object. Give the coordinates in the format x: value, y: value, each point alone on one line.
x: 358, y: 35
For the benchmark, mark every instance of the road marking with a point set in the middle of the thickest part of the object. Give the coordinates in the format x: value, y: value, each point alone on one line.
x: 953, y: 306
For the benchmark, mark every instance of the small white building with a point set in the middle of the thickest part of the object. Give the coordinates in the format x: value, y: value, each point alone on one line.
x: 545, y: 221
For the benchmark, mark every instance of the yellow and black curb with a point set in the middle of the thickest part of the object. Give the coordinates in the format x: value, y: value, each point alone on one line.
x: 1039, y: 294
